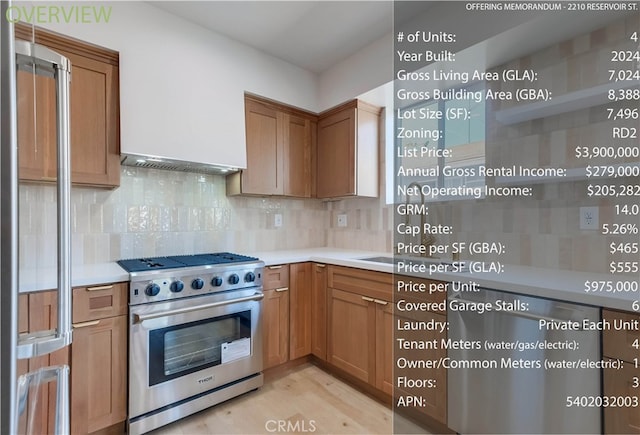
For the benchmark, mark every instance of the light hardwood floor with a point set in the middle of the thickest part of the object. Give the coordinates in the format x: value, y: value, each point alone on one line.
x: 306, y: 400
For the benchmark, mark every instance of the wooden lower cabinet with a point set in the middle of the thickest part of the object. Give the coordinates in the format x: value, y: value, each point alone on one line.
x: 299, y: 310
x: 319, y: 311
x: 275, y: 322
x: 99, y: 374
x: 360, y: 325
x: 41, y: 310
x: 384, y: 346
x: 622, y: 345
x: 352, y: 337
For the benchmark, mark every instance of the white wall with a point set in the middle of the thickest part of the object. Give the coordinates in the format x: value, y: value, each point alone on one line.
x: 361, y: 72
x: 181, y: 86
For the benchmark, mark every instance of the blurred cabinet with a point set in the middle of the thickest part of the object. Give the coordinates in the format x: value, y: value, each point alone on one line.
x: 38, y: 312
x: 622, y: 345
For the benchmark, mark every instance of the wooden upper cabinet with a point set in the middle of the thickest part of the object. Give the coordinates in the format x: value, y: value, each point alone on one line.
x: 95, y: 136
x: 278, y: 151
x: 347, y: 151
x: 36, y: 99
x: 94, y: 114
x: 264, y: 150
x: 297, y: 156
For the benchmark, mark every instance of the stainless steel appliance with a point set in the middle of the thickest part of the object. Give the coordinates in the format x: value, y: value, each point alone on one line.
x: 20, y: 394
x: 195, y: 336
x: 520, y: 396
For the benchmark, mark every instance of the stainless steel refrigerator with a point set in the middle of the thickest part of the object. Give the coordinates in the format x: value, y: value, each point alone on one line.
x: 19, y: 395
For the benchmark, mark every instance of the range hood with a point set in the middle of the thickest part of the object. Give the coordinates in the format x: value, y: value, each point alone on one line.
x: 157, y: 162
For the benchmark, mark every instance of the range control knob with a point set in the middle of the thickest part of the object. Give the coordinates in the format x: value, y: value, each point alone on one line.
x: 250, y: 277
x: 152, y: 289
x: 216, y: 281
x: 234, y: 279
x: 176, y: 286
x: 197, y: 284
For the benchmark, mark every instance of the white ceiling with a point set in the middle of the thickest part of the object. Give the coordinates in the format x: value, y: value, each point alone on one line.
x: 314, y: 35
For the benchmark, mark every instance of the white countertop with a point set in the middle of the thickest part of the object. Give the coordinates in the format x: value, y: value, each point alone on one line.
x: 81, y: 275
x: 549, y: 283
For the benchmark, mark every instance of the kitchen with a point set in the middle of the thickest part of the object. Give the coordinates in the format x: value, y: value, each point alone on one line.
x: 153, y: 213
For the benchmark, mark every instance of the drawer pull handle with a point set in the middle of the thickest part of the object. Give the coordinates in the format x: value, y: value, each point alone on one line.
x: 102, y: 287
x: 379, y: 302
x: 321, y: 265
x: 275, y: 267
x: 85, y: 324
x: 365, y: 298
x: 282, y: 289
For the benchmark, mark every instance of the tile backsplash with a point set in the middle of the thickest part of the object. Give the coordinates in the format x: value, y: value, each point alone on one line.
x: 156, y: 212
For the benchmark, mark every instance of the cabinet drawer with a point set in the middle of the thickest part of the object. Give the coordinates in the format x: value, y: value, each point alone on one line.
x: 617, y: 344
x: 377, y: 285
x: 276, y: 276
x: 99, y: 302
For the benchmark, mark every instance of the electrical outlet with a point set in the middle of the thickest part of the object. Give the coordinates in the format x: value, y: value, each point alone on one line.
x: 277, y: 220
x: 342, y: 220
x: 589, y: 218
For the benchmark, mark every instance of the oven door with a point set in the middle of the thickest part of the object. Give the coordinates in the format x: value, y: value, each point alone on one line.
x: 185, y: 347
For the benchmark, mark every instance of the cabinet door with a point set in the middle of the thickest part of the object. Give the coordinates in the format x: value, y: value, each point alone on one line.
x: 99, y: 374
x: 299, y: 310
x: 319, y: 311
x: 36, y: 102
x: 384, y: 346
x: 95, y: 124
x: 264, y: 150
x: 434, y: 394
x: 297, y: 156
x: 352, y: 335
x: 275, y: 342
x: 623, y: 383
x: 94, y: 114
x: 336, y: 155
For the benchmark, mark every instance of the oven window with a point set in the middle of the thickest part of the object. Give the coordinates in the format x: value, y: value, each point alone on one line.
x: 179, y: 350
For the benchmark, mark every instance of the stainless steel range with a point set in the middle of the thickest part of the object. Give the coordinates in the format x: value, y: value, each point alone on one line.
x: 195, y: 335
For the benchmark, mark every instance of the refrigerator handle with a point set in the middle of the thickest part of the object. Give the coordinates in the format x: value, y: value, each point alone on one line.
x: 38, y: 379
x: 47, y: 62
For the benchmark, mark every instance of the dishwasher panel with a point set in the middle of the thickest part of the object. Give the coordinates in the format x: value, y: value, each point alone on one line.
x: 507, y: 399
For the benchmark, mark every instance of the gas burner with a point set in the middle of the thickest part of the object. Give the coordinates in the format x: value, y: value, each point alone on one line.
x: 180, y: 276
x: 177, y: 261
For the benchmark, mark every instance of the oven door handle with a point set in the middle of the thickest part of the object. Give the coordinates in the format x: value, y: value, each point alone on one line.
x: 139, y: 318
